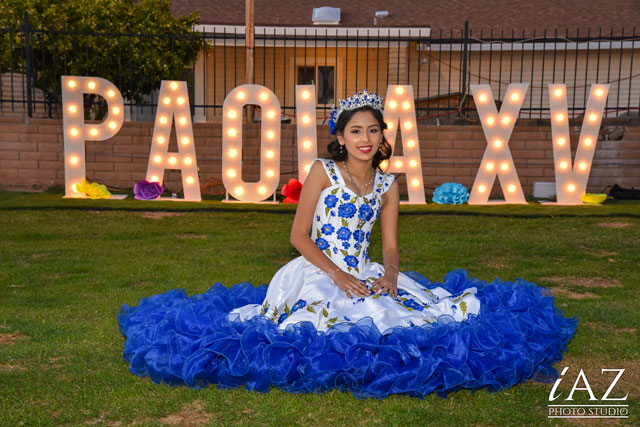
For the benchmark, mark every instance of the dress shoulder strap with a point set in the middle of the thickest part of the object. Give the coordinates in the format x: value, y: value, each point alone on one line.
x: 383, y: 183
x: 331, y: 168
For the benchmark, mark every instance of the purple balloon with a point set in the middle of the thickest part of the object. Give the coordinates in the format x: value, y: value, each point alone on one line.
x: 145, y: 190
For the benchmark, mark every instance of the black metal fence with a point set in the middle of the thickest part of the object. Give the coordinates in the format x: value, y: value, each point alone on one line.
x: 440, y: 67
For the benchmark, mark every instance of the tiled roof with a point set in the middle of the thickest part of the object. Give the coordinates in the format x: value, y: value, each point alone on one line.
x: 439, y: 15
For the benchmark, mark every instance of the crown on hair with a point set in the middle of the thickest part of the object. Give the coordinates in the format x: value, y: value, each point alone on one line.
x: 358, y: 100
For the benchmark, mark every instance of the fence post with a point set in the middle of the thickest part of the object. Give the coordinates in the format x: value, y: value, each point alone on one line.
x: 27, y: 54
x: 465, y: 43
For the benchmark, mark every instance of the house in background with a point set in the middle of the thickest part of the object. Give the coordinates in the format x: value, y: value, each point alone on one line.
x: 343, y: 47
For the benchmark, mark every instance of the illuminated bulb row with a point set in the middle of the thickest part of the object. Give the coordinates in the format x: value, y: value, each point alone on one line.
x: 172, y: 160
x: 511, y: 188
x: 164, y: 120
x: 167, y: 100
x: 564, y: 165
x: 190, y: 179
x: 484, y: 97
x: 490, y: 166
x: 506, y: 120
x: 560, y: 141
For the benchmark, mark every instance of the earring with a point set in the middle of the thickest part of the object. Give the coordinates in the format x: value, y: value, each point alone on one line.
x: 341, y: 149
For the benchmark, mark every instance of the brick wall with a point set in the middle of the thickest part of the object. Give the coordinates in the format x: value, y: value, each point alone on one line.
x: 31, y: 155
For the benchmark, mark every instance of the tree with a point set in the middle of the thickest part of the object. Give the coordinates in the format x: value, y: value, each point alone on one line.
x: 134, y: 44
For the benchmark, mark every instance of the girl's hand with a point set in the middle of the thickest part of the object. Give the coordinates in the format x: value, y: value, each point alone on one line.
x: 387, y: 283
x: 351, y: 285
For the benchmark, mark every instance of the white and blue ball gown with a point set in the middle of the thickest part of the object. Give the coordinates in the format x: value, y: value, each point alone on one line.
x: 303, y: 334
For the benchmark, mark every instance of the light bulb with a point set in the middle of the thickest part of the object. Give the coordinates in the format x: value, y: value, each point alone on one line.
x: 571, y: 188
x: 239, y: 191
x: 232, y: 114
x: 93, y: 132
x: 154, y: 178
x: 306, y: 120
x: 415, y: 182
x: 72, y: 84
x: 306, y: 144
x: 406, y: 105
x: 483, y: 97
x: 173, y: 160
x: 558, y: 92
x: 504, y: 166
x: 190, y: 180
x: 160, y: 140
x: 563, y: 165
x: 506, y: 120
x: 559, y: 117
x: 271, y: 114
x: 305, y: 94
x: 515, y: 97
x: 593, y: 117
x: 74, y: 187
x: 482, y: 188
x: 398, y: 164
x: 113, y: 125
x: 183, y: 121
x: 413, y: 163
x: 187, y: 160
x: 264, y: 96
x: 115, y: 110
x: 399, y: 90
x: 389, y: 125
x: 408, y: 125
x: 561, y: 141
x: 232, y: 153
x: 270, y: 173
x: 393, y: 105
x: 411, y: 143
x: 163, y: 120
x: 185, y: 140
x: 307, y: 167
x: 262, y: 190
x: 489, y: 166
x: 91, y: 85
x: 166, y: 100
x: 73, y: 132
x: 490, y: 120
x: 231, y: 173
x: 511, y: 188
x: 232, y: 132
x: 241, y: 95
x: 157, y: 159
x: 270, y: 154
x: 588, y: 142
x: 74, y: 160
x: 181, y: 100
x: 599, y: 92
x: 384, y: 165
x: 497, y: 143
x: 72, y: 109
x: 271, y: 134
x: 583, y: 165
x: 173, y: 85
x: 111, y: 93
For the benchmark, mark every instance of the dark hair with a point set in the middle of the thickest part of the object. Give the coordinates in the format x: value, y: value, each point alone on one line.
x: 383, y: 153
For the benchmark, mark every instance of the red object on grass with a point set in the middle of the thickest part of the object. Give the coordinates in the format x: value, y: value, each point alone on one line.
x: 291, y: 191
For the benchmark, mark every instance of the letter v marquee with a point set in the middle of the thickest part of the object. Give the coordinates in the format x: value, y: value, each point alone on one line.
x: 497, y: 159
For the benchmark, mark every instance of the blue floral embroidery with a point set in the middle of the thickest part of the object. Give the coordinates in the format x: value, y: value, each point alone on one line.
x: 402, y: 292
x: 328, y: 304
x: 321, y: 243
x: 330, y: 201
x: 357, y: 246
x: 367, y: 236
x: 351, y: 261
x: 347, y: 210
x: 335, y: 250
x: 365, y: 213
x: 298, y: 305
x: 372, y: 201
x: 345, y: 196
x: 412, y: 304
x: 346, y: 245
x: 333, y: 213
x: 335, y: 177
x: 327, y: 229
x: 358, y: 235
x: 282, y: 318
x: 318, y: 218
x: 344, y: 233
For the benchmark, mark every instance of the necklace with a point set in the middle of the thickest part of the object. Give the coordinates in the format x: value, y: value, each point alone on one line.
x: 358, y: 187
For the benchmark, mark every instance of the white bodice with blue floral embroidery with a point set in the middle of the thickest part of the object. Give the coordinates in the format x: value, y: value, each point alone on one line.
x: 343, y: 220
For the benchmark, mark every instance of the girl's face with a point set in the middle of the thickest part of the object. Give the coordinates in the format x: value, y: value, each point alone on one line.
x: 362, y: 136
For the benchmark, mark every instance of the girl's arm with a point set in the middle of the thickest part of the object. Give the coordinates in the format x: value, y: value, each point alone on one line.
x: 390, y: 255
x: 316, y: 181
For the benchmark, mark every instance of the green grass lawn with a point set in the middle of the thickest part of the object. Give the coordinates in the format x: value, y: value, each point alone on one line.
x: 68, y: 265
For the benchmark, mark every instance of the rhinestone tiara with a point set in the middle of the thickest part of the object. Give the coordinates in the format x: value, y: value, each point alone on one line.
x: 358, y: 100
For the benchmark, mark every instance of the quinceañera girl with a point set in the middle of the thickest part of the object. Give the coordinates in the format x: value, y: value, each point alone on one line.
x: 332, y: 318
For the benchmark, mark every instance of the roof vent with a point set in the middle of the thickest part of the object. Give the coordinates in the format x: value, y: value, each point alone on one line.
x: 326, y: 16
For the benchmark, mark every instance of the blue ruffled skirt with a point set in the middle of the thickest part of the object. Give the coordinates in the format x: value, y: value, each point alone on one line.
x: 179, y: 340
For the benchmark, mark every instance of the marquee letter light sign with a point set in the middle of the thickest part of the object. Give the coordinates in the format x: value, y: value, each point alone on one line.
x: 306, y: 129
x: 173, y: 103
x: 399, y: 110
x: 252, y: 192
x: 76, y: 131
x: 497, y: 158
x: 572, y: 177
